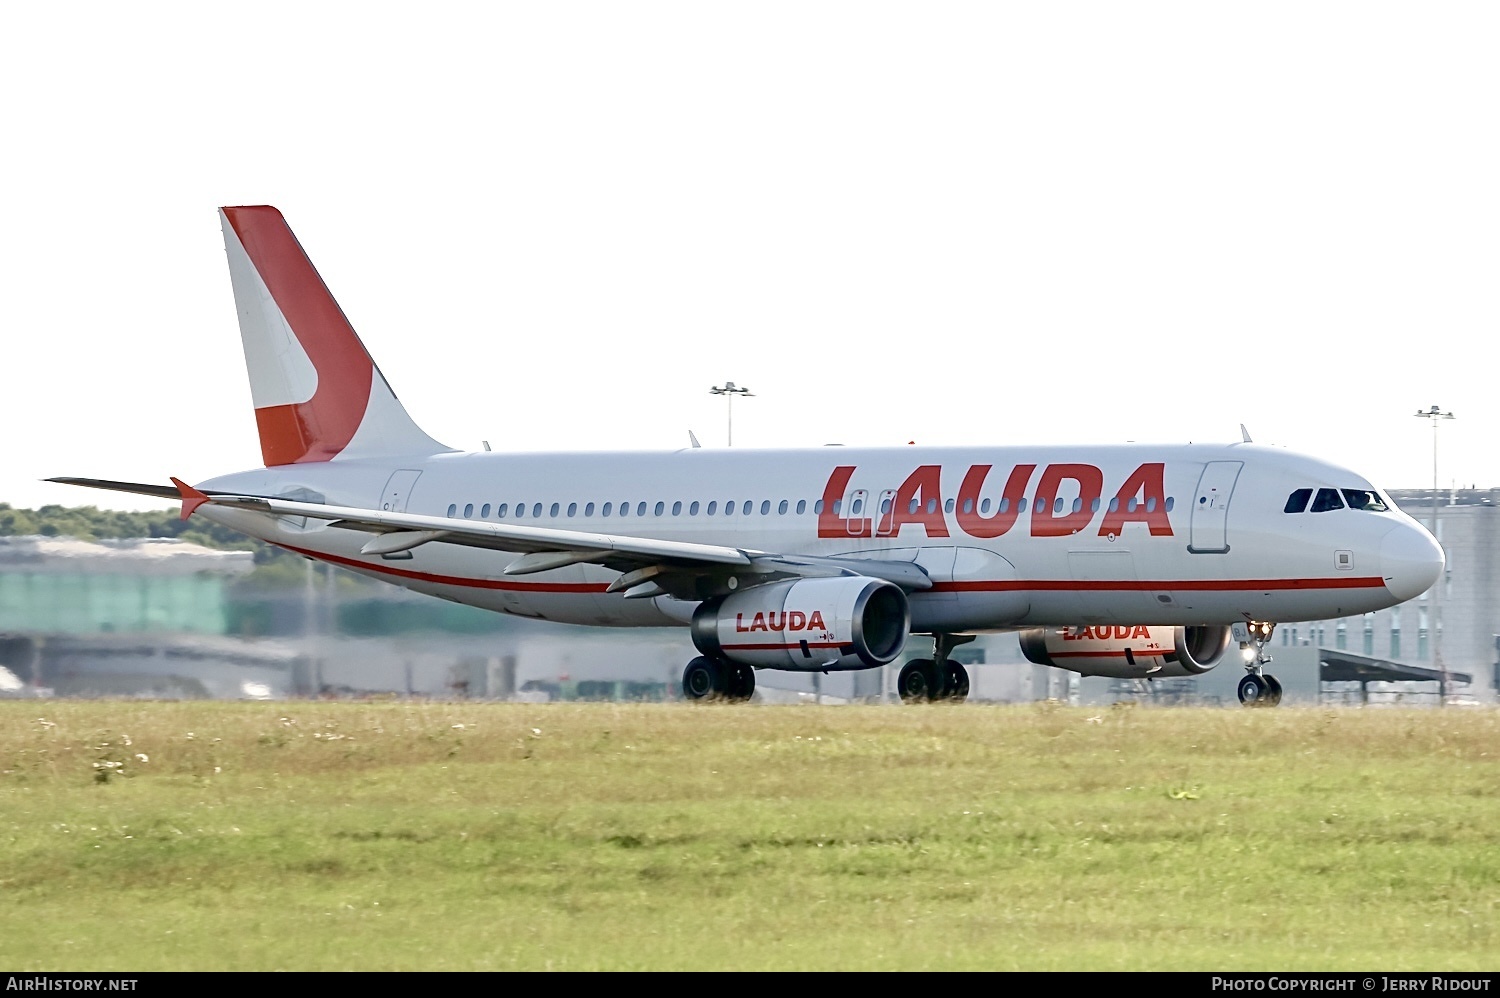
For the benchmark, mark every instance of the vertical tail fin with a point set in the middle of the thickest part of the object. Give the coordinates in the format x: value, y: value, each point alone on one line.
x: 317, y: 393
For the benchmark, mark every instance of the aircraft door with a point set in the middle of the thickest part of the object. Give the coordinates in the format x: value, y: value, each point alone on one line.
x: 398, y: 490
x: 1207, y: 534
x: 885, y: 510
x: 856, y: 516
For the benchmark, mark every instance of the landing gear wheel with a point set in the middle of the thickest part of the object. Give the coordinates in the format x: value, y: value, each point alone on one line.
x: 1250, y: 690
x: 956, y: 683
x: 704, y: 679
x: 1273, y: 690
x: 1259, y: 691
x: 739, y: 685
x: 919, y: 681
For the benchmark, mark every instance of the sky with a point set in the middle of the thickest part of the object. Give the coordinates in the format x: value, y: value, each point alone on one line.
x: 558, y: 225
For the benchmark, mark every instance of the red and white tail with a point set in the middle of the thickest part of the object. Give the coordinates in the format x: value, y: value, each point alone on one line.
x: 318, y: 396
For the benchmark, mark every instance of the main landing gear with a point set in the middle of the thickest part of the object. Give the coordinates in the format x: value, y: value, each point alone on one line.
x: 923, y: 680
x: 1258, y: 689
x: 715, y: 679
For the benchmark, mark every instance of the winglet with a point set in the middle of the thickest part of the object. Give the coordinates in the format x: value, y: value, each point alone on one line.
x: 191, y: 497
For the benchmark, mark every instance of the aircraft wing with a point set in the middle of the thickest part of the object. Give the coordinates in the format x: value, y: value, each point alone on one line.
x: 650, y: 566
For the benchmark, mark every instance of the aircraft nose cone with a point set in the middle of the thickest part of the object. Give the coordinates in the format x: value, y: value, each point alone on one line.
x: 1410, y: 560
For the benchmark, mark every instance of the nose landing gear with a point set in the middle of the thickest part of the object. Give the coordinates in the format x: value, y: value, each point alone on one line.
x: 1258, y: 688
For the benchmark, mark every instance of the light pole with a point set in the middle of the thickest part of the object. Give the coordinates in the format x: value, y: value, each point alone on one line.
x: 1435, y: 414
x: 729, y: 390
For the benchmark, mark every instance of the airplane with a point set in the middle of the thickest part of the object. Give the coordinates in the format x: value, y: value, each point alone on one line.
x: 1128, y: 560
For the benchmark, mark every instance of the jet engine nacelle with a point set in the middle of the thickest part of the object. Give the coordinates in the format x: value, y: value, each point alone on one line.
x: 1128, y: 652
x: 806, y: 624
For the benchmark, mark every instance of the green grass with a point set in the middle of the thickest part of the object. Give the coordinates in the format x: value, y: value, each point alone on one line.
x: 444, y: 836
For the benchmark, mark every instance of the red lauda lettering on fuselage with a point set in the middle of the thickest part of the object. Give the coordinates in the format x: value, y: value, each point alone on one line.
x: 791, y: 620
x: 919, y: 501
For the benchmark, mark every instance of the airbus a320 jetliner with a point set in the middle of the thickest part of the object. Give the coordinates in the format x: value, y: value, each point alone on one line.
x: 1131, y: 561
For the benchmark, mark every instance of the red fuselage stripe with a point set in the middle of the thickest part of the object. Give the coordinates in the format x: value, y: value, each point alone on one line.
x: 1148, y: 585
x: 458, y: 580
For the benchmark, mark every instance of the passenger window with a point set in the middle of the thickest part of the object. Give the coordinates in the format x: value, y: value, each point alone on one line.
x: 984, y: 506
x: 747, y: 507
x: 1151, y: 504
x: 693, y: 509
x: 588, y: 510
x: 661, y: 508
x: 468, y: 510
x: 572, y: 509
x: 1327, y: 499
x: 520, y: 509
x: 885, y: 505
x: 1130, y: 504
x: 968, y: 505
x: 801, y: 506
x: 554, y: 509
x: 608, y: 508
x: 1114, y: 505
x: 1094, y: 506
x: 500, y: 510
x: 932, y: 505
x: 453, y: 509
x: 836, y: 504
x: 713, y: 507
x: 781, y: 509
x: 677, y: 508
x: 1297, y: 501
x: 1020, y: 505
x: 913, y: 508
x: 1170, y: 504
x: 1077, y: 505
x: 536, y: 509
x: 818, y: 506
x: 1057, y: 505
x: 624, y: 509
x: 1360, y: 499
x: 948, y: 506
x: 484, y: 511
x: 640, y: 509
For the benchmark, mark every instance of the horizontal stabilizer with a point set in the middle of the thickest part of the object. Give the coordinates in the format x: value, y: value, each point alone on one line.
x: 159, y: 491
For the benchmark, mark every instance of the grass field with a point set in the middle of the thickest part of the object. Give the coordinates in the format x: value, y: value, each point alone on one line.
x: 469, y: 836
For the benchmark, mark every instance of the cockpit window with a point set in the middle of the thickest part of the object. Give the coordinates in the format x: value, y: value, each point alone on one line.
x: 1361, y: 499
x: 1327, y: 499
x: 1297, y: 501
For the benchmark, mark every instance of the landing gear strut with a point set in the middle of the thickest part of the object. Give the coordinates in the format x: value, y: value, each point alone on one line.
x: 714, y: 679
x: 1258, y: 688
x: 923, y: 680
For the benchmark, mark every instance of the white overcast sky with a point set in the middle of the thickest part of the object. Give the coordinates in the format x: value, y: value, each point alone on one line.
x: 556, y: 225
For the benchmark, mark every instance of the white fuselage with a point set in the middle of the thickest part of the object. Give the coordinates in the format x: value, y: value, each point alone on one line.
x: 1011, y: 537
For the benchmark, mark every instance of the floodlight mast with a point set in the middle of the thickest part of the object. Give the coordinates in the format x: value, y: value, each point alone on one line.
x: 729, y: 390
x: 1435, y: 414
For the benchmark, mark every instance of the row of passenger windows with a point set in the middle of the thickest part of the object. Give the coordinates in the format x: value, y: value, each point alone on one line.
x: 537, y: 510
x: 1327, y: 499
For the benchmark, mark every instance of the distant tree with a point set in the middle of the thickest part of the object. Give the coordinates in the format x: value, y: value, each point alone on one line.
x: 274, y: 566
